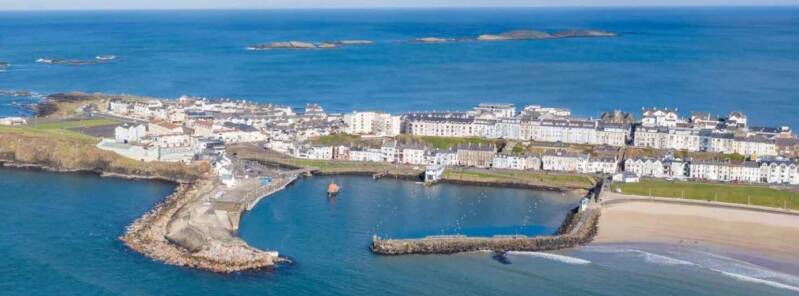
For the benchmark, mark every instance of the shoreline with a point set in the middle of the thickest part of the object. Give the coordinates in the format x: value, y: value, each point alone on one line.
x: 698, y: 225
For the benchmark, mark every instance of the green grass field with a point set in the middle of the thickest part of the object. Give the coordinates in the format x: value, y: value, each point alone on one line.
x: 59, y: 128
x: 522, y: 177
x: 446, y: 142
x: 337, y: 139
x: 72, y: 124
x: 731, y: 193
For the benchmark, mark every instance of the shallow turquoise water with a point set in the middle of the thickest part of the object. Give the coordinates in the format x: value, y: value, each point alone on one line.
x: 58, y: 235
x: 695, y: 59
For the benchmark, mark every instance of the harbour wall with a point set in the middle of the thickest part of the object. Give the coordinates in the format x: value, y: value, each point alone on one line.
x: 578, y: 228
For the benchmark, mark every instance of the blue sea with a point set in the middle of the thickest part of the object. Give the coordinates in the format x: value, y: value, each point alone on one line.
x: 58, y: 232
x: 695, y: 59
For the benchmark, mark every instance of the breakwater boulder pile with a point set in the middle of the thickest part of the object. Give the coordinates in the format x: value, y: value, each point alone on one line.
x: 161, y: 234
x: 579, y: 228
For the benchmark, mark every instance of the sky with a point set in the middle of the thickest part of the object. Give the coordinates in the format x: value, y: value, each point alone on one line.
x: 280, y: 4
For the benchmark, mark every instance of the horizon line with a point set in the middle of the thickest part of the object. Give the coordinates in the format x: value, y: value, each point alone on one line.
x: 611, y: 6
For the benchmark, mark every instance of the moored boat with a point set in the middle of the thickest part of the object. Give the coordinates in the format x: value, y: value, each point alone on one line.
x: 332, y: 189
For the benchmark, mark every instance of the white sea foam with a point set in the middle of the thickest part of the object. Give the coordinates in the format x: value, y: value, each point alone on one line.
x: 550, y: 256
x: 750, y: 279
x: 727, y: 266
x: 664, y: 260
x: 648, y: 257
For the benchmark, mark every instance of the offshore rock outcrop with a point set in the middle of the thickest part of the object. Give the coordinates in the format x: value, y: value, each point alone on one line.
x: 521, y: 35
x: 537, y: 35
x: 308, y: 45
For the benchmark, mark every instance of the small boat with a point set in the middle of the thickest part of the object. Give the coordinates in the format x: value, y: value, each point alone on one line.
x: 105, y: 57
x: 332, y: 189
x: 500, y: 257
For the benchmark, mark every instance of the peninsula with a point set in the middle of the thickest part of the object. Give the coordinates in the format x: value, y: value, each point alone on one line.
x: 226, y: 155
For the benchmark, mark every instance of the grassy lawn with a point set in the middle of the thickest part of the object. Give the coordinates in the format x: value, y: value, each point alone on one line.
x: 334, y: 166
x: 446, y: 142
x: 72, y: 124
x: 522, y: 177
x: 731, y: 193
x: 59, y: 128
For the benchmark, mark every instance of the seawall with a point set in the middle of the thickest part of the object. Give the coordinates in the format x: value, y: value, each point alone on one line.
x: 578, y: 228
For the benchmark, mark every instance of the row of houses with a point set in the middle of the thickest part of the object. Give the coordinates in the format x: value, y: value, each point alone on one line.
x: 564, y: 130
x: 706, y: 140
x: 465, y: 155
x: 769, y: 170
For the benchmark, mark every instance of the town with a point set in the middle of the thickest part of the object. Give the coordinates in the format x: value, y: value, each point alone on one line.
x: 661, y: 144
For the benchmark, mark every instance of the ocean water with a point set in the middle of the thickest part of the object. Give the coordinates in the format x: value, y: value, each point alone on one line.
x: 58, y: 236
x: 708, y: 59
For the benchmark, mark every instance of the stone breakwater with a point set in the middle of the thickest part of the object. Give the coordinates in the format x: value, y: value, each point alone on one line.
x: 579, y: 228
x: 149, y: 236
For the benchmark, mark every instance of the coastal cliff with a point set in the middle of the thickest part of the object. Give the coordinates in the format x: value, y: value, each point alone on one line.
x: 19, y: 148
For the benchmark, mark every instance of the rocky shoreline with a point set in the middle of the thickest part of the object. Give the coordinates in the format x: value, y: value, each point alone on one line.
x: 149, y: 235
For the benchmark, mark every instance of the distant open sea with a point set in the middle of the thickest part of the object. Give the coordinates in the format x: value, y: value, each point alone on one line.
x: 58, y: 232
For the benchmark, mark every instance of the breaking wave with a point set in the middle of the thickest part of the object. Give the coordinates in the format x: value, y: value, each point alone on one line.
x: 550, y: 256
x: 648, y: 257
x: 727, y: 266
x: 750, y: 279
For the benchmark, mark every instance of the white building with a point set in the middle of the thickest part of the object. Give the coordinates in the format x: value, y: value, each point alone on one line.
x: 498, y: 110
x: 564, y: 161
x: 130, y: 134
x: 372, y: 123
x: 778, y: 170
x: 602, y: 165
x: 440, y: 124
x: 726, y: 171
x: 238, y: 133
x: 516, y: 162
x: 318, y: 152
x: 365, y: 154
x: 413, y: 154
x: 660, y: 117
x: 645, y: 167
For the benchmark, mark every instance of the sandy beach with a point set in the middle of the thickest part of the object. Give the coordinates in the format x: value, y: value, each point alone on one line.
x: 771, y: 234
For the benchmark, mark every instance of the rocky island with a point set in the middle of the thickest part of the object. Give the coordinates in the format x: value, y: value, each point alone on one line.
x: 97, y: 60
x: 308, y: 45
x: 540, y: 35
x: 521, y: 35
